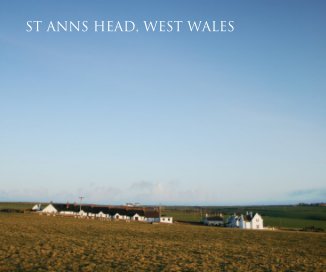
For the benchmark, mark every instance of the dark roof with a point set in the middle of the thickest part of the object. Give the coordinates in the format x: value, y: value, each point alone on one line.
x: 111, y: 210
x: 214, y: 218
x: 133, y: 212
x: 66, y: 207
x: 152, y: 214
x: 249, y: 216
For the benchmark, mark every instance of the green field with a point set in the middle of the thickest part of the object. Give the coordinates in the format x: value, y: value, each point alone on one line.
x: 16, y: 205
x: 31, y: 242
x: 274, y: 216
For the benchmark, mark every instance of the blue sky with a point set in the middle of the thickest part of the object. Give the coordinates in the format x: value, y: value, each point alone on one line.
x: 173, y: 118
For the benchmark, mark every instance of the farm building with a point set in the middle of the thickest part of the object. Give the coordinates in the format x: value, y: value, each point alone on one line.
x: 213, y: 220
x: 107, y: 212
x: 248, y: 221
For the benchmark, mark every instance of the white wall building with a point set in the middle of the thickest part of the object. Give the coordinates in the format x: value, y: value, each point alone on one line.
x: 248, y: 221
x: 50, y: 209
x: 166, y: 219
x: 137, y: 217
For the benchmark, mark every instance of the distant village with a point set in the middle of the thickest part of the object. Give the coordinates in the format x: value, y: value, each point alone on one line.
x: 131, y: 212
x: 127, y: 212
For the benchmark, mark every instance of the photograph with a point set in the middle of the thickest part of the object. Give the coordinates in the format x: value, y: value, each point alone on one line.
x: 167, y: 135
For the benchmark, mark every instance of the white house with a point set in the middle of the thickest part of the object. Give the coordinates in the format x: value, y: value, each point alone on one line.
x: 166, y: 219
x: 50, y: 209
x: 248, y: 221
x: 101, y: 215
x: 118, y: 216
x: 137, y: 217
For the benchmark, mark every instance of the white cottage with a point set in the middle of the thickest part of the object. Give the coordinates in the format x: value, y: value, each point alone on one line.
x: 166, y: 219
x: 101, y: 215
x: 50, y: 209
x: 250, y: 221
x: 137, y: 217
x: 118, y: 216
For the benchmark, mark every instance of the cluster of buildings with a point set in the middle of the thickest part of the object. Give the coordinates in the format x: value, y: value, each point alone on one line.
x: 145, y: 214
x: 248, y: 221
x: 142, y: 214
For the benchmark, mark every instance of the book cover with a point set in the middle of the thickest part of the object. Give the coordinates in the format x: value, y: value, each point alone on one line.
x: 190, y: 113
